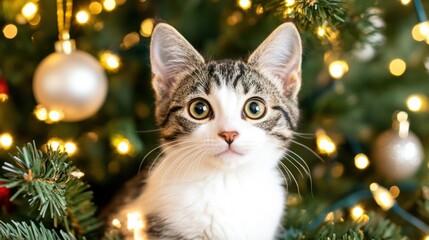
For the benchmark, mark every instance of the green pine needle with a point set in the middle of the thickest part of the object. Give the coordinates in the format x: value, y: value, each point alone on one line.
x: 20, y: 231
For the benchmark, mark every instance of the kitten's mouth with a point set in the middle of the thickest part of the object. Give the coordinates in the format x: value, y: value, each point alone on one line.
x: 229, y: 151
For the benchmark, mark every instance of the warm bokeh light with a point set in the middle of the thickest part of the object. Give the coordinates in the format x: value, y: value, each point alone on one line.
x: 3, y: 97
x: 70, y: 147
x: 55, y: 143
x: 321, y: 31
x: 77, y: 174
x: 357, y: 212
x: 82, y: 17
x: 420, y: 31
x: 289, y: 3
x: 405, y: 2
x: 417, y: 102
x: 361, y: 161
x: 397, y: 67
x: 146, y: 27
x: 131, y: 40
x: 6, y: 140
x: 338, y: 68
x: 134, y: 221
x: 395, y: 191
x: 41, y: 113
x: 426, y: 237
x: 10, y: 31
x: 109, y: 5
x: 382, y: 196
x: 29, y: 10
x: 95, y: 8
x: 55, y: 116
x: 244, y: 4
x: 325, y: 145
x: 116, y: 223
x: 110, y: 61
x: 123, y: 146
x: 259, y: 10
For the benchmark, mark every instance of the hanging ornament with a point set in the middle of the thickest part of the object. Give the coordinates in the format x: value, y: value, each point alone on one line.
x: 5, y: 203
x: 4, y: 90
x: 398, y: 152
x: 69, y: 81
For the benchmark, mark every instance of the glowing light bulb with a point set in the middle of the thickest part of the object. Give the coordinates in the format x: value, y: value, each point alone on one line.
x: 321, y: 31
x: 289, y: 3
x: 146, y: 27
x: 338, y: 68
x: 259, y: 9
x: 77, y: 174
x: 426, y: 237
x: 405, y: 2
x: 10, y: 31
x: 6, y: 140
x: 356, y: 212
x: 420, y: 31
x: 382, y: 196
x: 55, y: 116
x: 109, y: 5
x: 116, y: 223
x: 244, y: 4
x: 82, y: 17
x: 41, y: 113
x: 95, y: 8
x: 29, y: 10
x: 135, y: 222
x: 3, y: 97
x: 110, y: 61
x: 123, y: 147
x: 417, y: 102
x: 70, y: 147
x: 361, y: 161
x: 325, y: 144
x: 395, y: 191
x: 397, y: 67
x: 55, y: 143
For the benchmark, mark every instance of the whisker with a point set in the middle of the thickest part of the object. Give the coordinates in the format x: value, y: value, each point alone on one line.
x: 178, y: 159
x: 293, y: 177
x: 291, y: 162
x: 160, y: 146
x: 309, y: 149
x: 149, y: 130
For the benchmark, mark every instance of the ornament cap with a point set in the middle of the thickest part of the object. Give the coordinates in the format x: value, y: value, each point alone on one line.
x: 65, y: 46
x: 401, y: 123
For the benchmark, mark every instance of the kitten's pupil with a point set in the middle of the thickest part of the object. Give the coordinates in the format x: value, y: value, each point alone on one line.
x: 254, y: 108
x: 200, y: 108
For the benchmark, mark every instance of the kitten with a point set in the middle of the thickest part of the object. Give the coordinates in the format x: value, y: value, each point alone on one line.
x: 225, y: 125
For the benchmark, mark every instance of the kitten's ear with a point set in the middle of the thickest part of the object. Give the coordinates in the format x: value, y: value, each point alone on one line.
x: 171, y: 57
x: 278, y: 58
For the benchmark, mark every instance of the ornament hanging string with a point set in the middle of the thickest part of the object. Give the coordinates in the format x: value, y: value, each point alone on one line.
x: 64, y: 19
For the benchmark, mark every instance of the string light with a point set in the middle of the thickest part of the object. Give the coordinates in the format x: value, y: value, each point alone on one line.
x: 109, y: 5
x: 361, y: 161
x: 70, y: 147
x: 234, y: 18
x: 146, y: 27
x: 10, y: 31
x: 338, y: 68
x: 55, y: 116
x: 405, y: 2
x: 116, y: 223
x: 29, y: 10
x: 289, y: 3
x: 325, y: 145
x: 110, y: 61
x: 426, y: 237
x: 382, y: 196
x: 6, y: 140
x: 395, y: 191
x: 420, y: 31
x: 77, y: 174
x: 123, y: 146
x: 82, y: 17
x: 41, y: 113
x: 417, y: 102
x: 357, y: 212
x: 397, y: 67
x: 244, y: 4
x: 130, y: 40
x: 135, y: 223
x: 321, y: 31
x: 259, y: 10
x: 95, y: 8
x: 55, y: 143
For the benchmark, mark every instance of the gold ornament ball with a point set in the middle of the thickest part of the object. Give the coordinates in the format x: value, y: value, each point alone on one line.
x: 397, y: 158
x: 73, y: 83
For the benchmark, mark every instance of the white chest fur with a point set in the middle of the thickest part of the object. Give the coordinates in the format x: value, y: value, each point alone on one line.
x: 231, y: 204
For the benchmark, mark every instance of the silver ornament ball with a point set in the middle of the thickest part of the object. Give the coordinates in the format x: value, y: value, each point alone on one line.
x: 397, y: 158
x: 73, y: 83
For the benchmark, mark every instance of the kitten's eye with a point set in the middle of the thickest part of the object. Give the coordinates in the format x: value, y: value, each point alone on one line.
x: 254, y: 108
x: 199, y: 109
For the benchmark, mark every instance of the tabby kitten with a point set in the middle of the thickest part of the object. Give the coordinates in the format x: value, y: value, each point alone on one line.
x: 225, y: 125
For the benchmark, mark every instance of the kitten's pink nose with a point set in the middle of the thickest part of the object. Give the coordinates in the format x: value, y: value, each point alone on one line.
x: 229, y: 136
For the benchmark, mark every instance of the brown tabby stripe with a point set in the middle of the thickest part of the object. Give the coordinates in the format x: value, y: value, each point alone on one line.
x: 159, y: 229
x: 286, y: 115
x: 171, y: 111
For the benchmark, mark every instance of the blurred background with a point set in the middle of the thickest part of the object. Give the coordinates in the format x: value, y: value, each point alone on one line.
x: 364, y: 97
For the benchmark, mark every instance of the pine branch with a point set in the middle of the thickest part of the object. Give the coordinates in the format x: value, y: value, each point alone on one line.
x: 20, y: 231
x: 49, y: 184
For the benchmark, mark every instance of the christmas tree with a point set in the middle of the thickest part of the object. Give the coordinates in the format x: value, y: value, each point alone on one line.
x: 356, y: 169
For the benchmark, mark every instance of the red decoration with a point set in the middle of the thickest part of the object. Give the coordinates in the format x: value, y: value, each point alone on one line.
x: 5, y: 203
x: 4, y: 90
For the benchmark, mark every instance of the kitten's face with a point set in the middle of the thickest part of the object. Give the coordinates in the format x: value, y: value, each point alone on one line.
x: 230, y: 113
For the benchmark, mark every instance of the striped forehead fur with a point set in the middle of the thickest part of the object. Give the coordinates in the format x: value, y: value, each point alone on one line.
x: 236, y: 75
